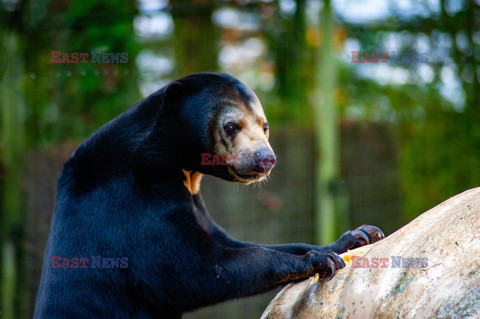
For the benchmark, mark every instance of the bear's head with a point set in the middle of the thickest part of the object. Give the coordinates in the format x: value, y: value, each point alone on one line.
x: 220, y: 126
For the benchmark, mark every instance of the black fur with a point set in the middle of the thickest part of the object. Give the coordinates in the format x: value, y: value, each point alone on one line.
x: 121, y: 195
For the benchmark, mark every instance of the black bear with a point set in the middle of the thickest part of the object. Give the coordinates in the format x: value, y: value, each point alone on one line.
x: 130, y: 235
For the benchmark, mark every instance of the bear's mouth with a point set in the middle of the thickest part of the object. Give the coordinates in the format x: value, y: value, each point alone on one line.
x: 248, y: 178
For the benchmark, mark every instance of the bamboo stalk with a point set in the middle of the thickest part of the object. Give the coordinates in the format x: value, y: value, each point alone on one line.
x: 325, y: 113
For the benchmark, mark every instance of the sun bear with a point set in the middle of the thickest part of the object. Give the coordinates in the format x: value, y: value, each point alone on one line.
x: 130, y: 235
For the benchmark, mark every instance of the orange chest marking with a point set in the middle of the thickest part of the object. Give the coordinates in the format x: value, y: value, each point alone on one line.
x: 192, y: 181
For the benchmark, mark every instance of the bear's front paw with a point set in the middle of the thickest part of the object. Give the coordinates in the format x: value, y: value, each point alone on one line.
x: 363, y: 235
x: 324, y: 262
x: 312, y: 262
x: 374, y: 233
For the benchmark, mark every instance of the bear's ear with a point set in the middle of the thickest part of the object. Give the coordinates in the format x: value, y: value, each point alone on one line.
x: 173, y: 92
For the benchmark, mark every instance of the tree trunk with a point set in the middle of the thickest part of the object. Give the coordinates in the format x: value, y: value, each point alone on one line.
x: 327, y: 165
x: 432, y: 270
x: 195, y: 40
x: 13, y: 285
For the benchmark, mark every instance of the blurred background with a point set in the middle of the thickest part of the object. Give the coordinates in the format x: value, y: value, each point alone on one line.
x: 358, y: 139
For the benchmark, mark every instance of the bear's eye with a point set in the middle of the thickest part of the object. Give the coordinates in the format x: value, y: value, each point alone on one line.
x: 230, y: 128
x: 265, y: 128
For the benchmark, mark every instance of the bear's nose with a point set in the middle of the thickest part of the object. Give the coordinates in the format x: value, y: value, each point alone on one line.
x: 264, y: 159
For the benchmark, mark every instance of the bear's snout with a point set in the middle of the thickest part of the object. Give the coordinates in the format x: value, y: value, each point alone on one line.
x: 264, y: 160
